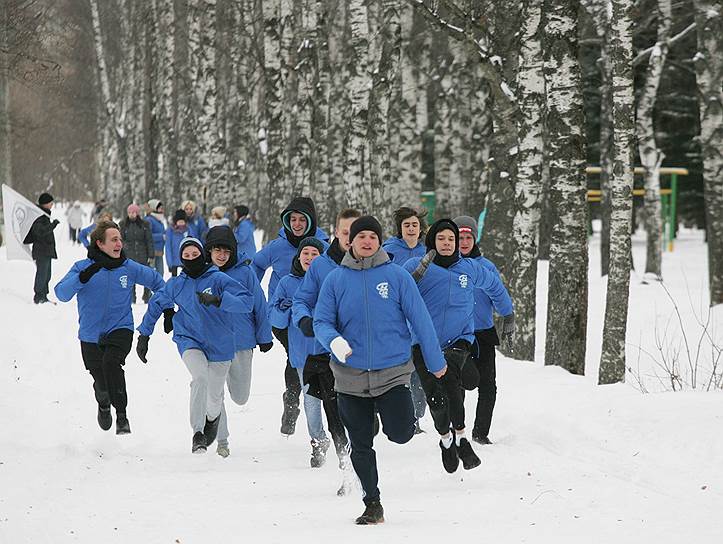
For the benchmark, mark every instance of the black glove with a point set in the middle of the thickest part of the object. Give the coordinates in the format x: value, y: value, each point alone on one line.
x: 168, y: 320
x: 55, y: 223
x: 88, y: 273
x: 306, y: 324
x: 421, y: 269
x: 208, y: 299
x: 266, y: 346
x: 508, y: 330
x: 142, y: 347
x: 285, y: 303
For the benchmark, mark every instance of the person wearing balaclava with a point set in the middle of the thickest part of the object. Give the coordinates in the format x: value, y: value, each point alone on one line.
x: 298, y: 221
x: 103, y: 284
x: 208, y: 302
x: 447, y: 287
x: 250, y: 330
x: 486, y: 337
x: 43, y: 252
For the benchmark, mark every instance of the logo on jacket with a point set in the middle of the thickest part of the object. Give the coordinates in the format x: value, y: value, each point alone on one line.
x: 383, y: 289
x: 208, y: 291
x: 463, y: 281
x: 124, y: 282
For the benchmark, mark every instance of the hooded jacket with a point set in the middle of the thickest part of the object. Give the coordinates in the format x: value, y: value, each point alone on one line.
x: 483, y: 303
x: 158, y: 230
x: 196, y: 326
x: 370, y: 302
x: 137, y: 239
x: 174, y: 238
x: 300, y: 346
x: 244, y: 233
x: 104, y: 302
x: 399, y: 252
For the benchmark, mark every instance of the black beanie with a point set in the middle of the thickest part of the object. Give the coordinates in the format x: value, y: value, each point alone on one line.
x: 45, y: 198
x: 431, y: 242
x: 222, y: 236
x: 242, y: 210
x: 179, y: 215
x: 365, y: 222
x: 310, y: 241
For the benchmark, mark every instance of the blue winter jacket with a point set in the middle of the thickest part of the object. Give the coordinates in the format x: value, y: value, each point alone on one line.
x: 84, y: 234
x: 300, y: 346
x: 173, y: 245
x: 195, y: 326
x: 244, y: 234
x: 373, y: 310
x: 399, y: 252
x: 278, y: 254
x: 158, y: 231
x: 104, y: 302
x: 197, y: 225
x: 483, y: 304
x: 253, y: 328
x: 449, y: 296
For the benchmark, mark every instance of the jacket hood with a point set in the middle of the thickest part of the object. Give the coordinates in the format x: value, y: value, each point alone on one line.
x: 303, y: 205
x: 365, y: 263
x: 222, y: 236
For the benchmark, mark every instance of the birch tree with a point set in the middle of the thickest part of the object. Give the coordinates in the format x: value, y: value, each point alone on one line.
x: 5, y: 133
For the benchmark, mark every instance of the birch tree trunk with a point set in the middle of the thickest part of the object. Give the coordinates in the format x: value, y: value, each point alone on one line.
x: 567, y: 301
x: 651, y: 156
x: 709, y: 72
x: 612, y: 360
x: 5, y: 132
x: 606, y: 146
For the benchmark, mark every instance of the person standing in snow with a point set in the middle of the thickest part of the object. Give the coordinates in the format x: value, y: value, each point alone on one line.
x: 298, y: 221
x: 244, y: 231
x: 218, y: 217
x: 43, y: 252
x: 196, y: 223
x: 301, y: 347
x: 157, y: 220
x: 203, y: 329
x: 363, y: 315
x: 74, y: 215
x: 137, y: 239
x: 103, y: 283
x: 175, y: 233
x: 486, y: 337
x: 250, y: 329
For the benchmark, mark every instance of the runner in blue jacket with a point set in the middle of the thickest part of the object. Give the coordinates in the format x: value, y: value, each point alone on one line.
x: 486, y: 337
x: 203, y: 329
x: 250, y: 329
x: 103, y: 284
x: 363, y: 316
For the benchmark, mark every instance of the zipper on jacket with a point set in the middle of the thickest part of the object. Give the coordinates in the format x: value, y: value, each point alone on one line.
x: 366, y: 308
x: 449, y: 299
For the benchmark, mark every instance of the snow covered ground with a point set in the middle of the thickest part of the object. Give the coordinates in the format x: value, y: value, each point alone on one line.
x: 571, y: 461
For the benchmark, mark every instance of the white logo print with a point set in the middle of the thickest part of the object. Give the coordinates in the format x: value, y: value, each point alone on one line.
x: 463, y: 281
x: 383, y: 289
x: 208, y: 291
x: 124, y: 282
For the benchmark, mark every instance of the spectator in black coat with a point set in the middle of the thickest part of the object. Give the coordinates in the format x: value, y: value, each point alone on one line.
x: 43, y: 240
x: 137, y: 239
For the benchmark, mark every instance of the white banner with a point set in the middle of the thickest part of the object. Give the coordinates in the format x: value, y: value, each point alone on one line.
x: 20, y: 214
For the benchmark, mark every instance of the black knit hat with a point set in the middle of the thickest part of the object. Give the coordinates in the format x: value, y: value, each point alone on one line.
x: 437, y: 226
x: 365, y: 222
x: 179, y: 215
x: 45, y: 198
x: 310, y: 241
x: 222, y: 236
x: 242, y: 210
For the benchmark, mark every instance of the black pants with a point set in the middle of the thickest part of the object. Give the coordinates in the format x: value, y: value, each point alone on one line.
x: 105, y: 361
x: 486, y: 340
x: 42, y: 278
x: 73, y: 234
x: 318, y: 375
x: 291, y: 376
x: 396, y: 411
x: 445, y: 397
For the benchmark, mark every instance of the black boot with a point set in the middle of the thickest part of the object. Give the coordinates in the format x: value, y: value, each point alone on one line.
x: 121, y: 424
x: 210, y: 429
x: 449, y: 456
x: 480, y: 439
x: 199, y: 443
x: 291, y: 413
x: 467, y: 455
x: 373, y: 514
x: 105, y: 419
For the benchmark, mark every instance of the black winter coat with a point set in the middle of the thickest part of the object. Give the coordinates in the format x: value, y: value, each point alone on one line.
x: 42, y: 237
x: 137, y: 239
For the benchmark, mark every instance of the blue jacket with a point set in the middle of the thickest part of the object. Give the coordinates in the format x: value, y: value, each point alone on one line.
x: 300, y: 346
x: 195, y: 326
x: 173, y: 245
x: 104, y: 303
x: 373, y: 310
x: 197, y: 225
x: 449, y: 296
x: 84, y: 234
x: 307, y: 295
x: 278, y: 254
x: 483, y: 304
x: 399, y: 252
x: 251, y: 329
x: 244, y: 234
x: 158, y: 231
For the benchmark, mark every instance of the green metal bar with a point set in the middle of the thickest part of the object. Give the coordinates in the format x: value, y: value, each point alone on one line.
x: 673, y: 208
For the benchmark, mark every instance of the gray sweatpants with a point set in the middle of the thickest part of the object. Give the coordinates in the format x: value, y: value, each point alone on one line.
x: 207, y: 381
x: 239, y: 387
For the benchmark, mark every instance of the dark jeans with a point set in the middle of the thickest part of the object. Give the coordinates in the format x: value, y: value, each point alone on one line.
x: 158, y: 265
x: 105, y: 361
x: 42, y: 278
x: 291, y: 376
x: 73, y: 234
x: 485, y: 341
x: 396, y: 411
x: 418, y: 397
x: 318, y: 375
x: 444, y: 395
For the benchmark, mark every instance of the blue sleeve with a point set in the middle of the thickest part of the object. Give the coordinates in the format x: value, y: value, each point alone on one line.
x: 262, y: 260
x: 279, y: 318
x: 411, y: 264
x: 70, y: 284
x: 169, y: 254
x: 146, y: 276
x: 325, y: 313
x: 243, y: 232
x: 83, y: 235
x: 261, y: 312
x: 161, y: 300
x: 421, y: 322
x: 491, y: 283
x: 306, y: 296
x: 235, y: 298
